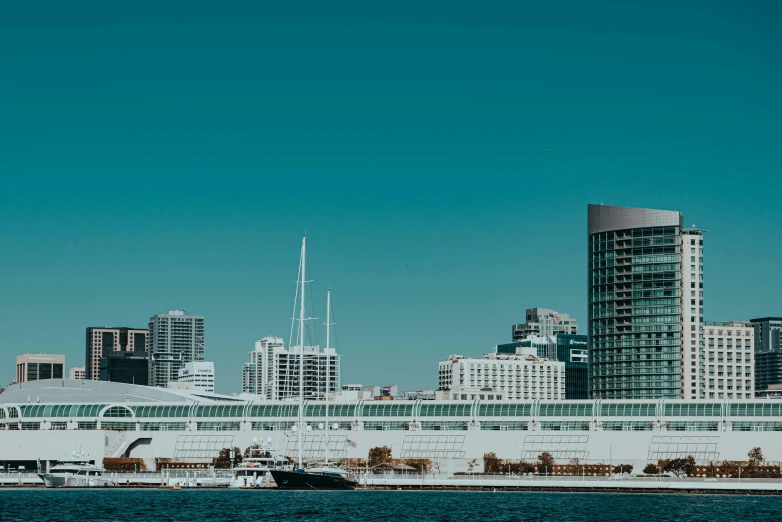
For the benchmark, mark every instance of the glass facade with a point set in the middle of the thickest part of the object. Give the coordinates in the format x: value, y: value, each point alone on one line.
x: 572, y: 350
x: 127, y: 367
x: 634, y: 309
x: 768, y: 369
x: 768, y: 352
x: 590, y: 415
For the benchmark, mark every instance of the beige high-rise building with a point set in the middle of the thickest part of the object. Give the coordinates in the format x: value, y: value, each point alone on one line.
x: 37, y: 366
x: 78, y: 373
x: 730, y: 352
x: 102, y: 341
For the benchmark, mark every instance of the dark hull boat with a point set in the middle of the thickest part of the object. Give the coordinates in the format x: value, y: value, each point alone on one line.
x: 304, y: 480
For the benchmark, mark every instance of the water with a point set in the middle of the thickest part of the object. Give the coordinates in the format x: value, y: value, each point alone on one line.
x: 219, y: 505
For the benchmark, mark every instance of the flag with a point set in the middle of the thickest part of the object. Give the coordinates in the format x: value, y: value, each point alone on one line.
x: 351, y: 443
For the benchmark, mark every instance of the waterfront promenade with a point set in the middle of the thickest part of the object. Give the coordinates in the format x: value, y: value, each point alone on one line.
x: 628, y: 484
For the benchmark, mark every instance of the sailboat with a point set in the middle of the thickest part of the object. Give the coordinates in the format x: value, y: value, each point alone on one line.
x: 319, y: 477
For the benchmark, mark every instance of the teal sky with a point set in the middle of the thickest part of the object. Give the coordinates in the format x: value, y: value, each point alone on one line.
x: 171, y: 154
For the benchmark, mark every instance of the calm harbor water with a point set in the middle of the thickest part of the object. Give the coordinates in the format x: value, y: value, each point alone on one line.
x: 218, y: 505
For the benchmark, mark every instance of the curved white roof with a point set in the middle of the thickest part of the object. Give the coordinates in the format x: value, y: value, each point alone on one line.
x: 49, y: 391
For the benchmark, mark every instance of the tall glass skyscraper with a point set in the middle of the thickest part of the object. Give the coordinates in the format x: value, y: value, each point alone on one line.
x: 636, y: 297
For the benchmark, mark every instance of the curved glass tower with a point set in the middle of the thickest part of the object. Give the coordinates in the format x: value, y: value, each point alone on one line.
x: 634, y: 309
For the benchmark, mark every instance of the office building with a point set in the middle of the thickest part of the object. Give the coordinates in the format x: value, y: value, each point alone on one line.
x: 273, y: 371
x: 519, y: 376
x: 78, y: 372
x: 105, y: 340
x: 38, y: 366
x: 542, y: 322
x: 768, y: 354
x: 645, y: 304
x: 201, y: 374
x: 127, y: 367
x: 175, y: 339
x: 572, y: 349
x: 258, y: 372
x: 730, y: 348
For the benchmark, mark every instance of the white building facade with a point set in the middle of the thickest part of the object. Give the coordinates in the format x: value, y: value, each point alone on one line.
x: 78, y: 372
x: 258, y: 372
x: 175, y: 339
x: 273, y: 371
x: 730, y: 348
x: 201, y: 374
x: 692, y: 355
x: 517, y: 377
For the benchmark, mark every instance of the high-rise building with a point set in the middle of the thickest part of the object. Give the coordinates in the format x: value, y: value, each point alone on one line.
x: 175, y: 338
x: 78, y: 373
x: 543, y: 321
x: 201, y: 374
x: 258, y: 372
x: 273, y: 371
x: 39, y: 366
x: 127, y: 367
x: 645, y: 304
x: 103, y: 341
x: 768, y: 352
x: 691, y: 353
x: 730, y: 348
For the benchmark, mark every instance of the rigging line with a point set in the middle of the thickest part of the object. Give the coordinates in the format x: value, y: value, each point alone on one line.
x: 295, y: 302
x: 335, y: 346
x: 287, y: 385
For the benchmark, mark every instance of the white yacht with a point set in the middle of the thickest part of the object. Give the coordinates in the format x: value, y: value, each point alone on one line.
x: 253, y: 472
x: 75, y: 474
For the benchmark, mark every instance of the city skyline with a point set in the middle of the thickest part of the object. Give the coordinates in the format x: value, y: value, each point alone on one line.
x: 441, y: 169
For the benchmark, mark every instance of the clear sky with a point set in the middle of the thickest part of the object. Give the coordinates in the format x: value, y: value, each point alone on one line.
x: 169, y: 155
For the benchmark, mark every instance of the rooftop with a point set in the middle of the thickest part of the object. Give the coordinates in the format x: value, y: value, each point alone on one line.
x: 49, y: 391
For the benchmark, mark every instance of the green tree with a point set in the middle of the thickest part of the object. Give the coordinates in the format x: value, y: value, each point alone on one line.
x: 545, y: 462
x: 755, y: 456
x: 491, y: 464
x: 623, y: 468
x: 379, y: 455
x: 223, y: 460
x: 651, y: 469
x: 471, y: 465
x: 681, y: 467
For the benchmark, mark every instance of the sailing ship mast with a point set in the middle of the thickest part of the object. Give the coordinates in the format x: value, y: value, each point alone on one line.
x: 301, y: 346
x: 328, y: 368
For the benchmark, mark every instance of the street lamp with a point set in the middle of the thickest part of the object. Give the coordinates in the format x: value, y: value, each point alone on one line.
x: 611, y: 459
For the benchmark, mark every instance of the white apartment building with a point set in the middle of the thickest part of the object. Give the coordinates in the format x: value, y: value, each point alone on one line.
x: 691, y: 355
x: 175, y: 339
x: 521, y: 376
x: 78, y: 372
x: 730, y: 348
x: 258, y: 372
x: 201, y: 374
x: 273, y: 372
